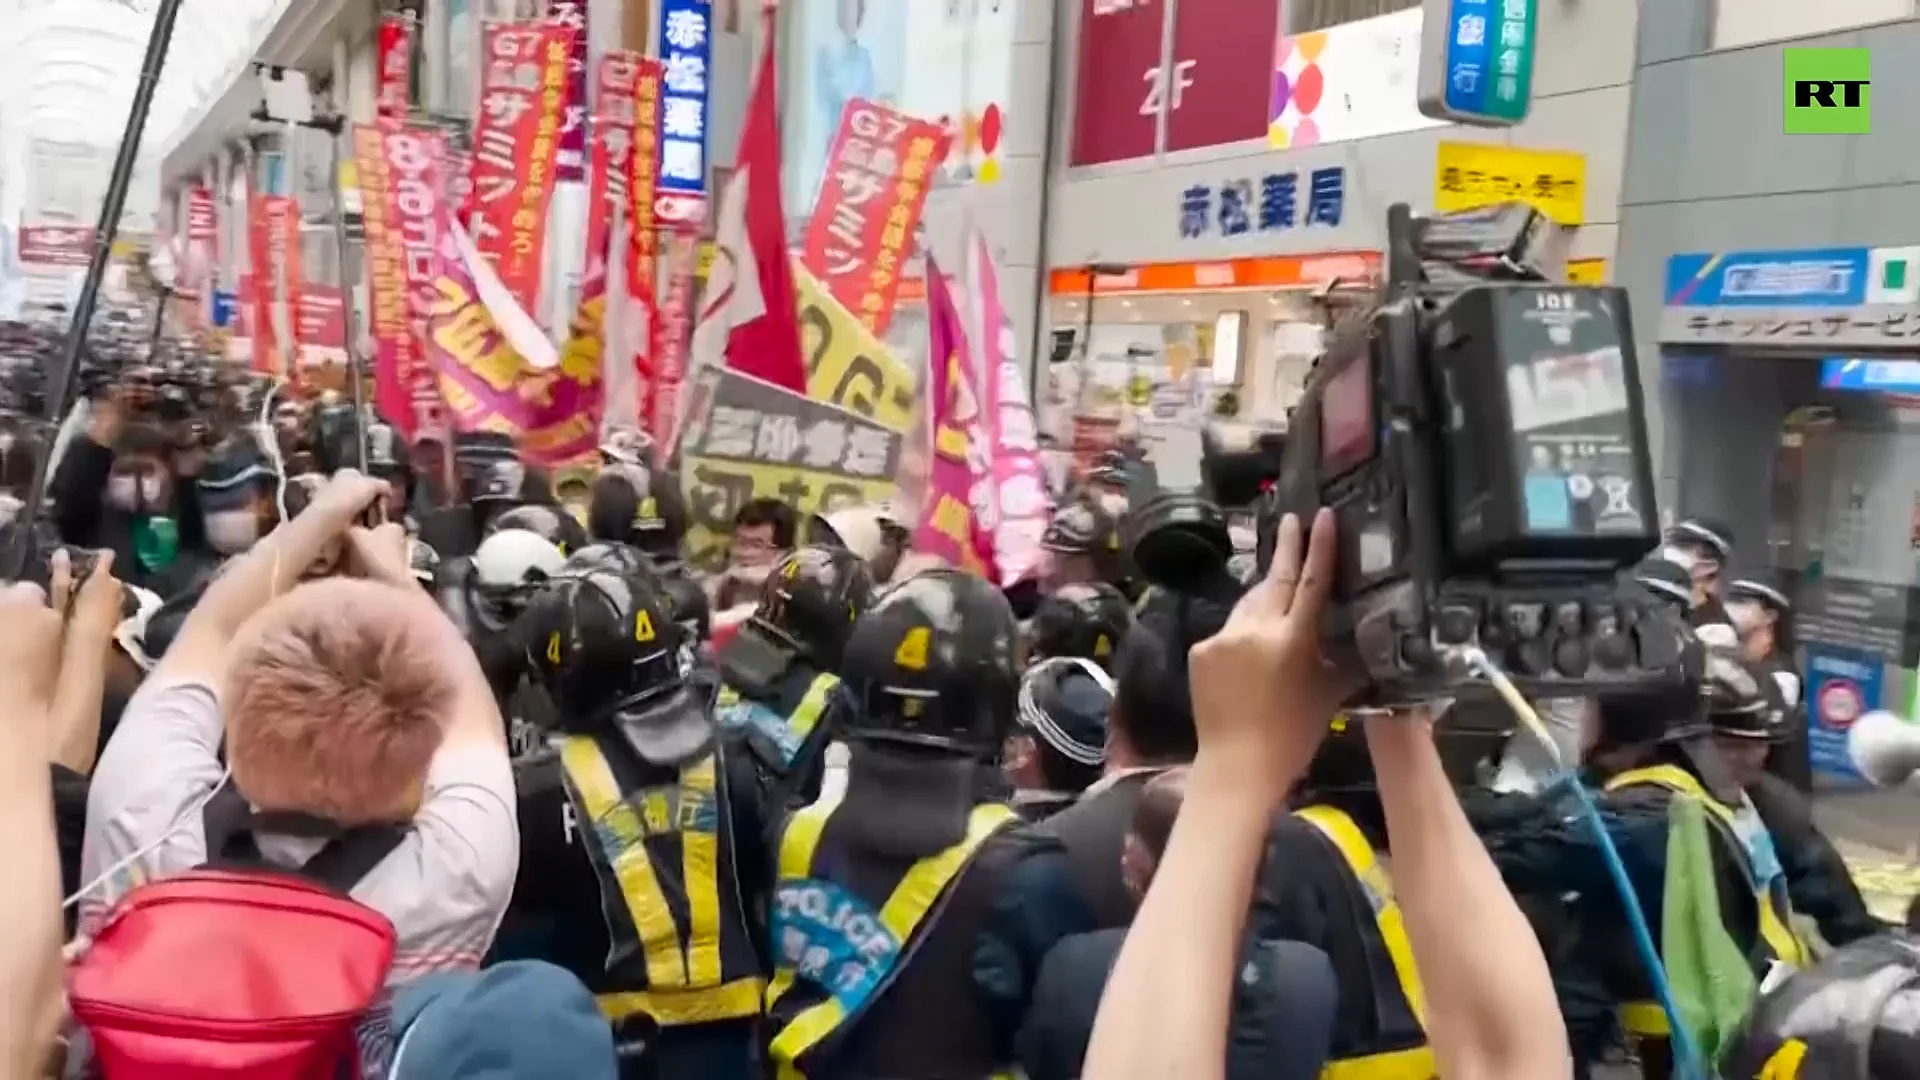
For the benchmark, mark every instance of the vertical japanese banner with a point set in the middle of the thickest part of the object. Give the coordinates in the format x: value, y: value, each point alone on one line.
x: 686, y: 51
x: 203, y: 236
x: 674, y: 328
x: 611, y: 157
x: 516, y: 141
x: 323, y: 327
x: 643, y: 183
x: 456, y: 179
x: 261, y: 287
x: 870, y: 202
x: 948, y: 528
x: 393, y: 99
x: 395, y: 351
x: 1019, y: 503
x: 415, y: 221
x: 285, y: 215
x: 570, y: 164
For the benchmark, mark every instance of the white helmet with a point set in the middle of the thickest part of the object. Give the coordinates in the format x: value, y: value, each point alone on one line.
x: 512, y: 558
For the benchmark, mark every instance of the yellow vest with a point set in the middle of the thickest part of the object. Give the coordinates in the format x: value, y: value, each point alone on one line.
x: 788, y: 733
x: 1412, y: 1064
x: 705, y: 970
x: 833, y: 948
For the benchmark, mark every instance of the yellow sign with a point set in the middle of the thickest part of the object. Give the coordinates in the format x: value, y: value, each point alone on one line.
x: 1586, y: 271
x: 912, y: 653
x: 1468, y: 176
x: 846, y: 365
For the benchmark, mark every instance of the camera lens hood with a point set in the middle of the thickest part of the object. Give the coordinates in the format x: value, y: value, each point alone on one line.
x: 1179, y: 541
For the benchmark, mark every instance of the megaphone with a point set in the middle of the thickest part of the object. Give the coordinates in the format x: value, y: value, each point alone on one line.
x: 1885, y: 748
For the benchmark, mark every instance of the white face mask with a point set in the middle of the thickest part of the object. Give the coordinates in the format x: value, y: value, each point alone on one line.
x: 124, y: 492
x: 231, y: 532
x: 1747, y: 616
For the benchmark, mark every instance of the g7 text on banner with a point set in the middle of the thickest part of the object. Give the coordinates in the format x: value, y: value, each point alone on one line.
x: 516, y: 139
x: 863, y: 223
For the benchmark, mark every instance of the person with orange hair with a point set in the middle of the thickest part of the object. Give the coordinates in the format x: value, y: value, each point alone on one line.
x: 342, y: 703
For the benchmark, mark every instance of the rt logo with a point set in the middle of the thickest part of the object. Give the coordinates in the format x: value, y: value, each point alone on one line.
x: 1828, y: 92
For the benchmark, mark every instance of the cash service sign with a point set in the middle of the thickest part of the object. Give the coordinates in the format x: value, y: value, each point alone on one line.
x: 1476, y: 60
x: 1853, y: 298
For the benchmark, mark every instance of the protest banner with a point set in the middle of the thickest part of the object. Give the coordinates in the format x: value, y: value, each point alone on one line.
x: 847, y: 366
x: 747, y: 439
x: 402, y: 210
x: 516, y: 141
x: 394, y: 55
x: 1012, y: 497
x: 322, y: 330
x: 863, y: 223
x: 263, y: 283
x: 948, y: 527
x: 570, y: 163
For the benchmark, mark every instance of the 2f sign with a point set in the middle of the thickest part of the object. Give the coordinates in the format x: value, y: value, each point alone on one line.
x: 1158, y: 90
x: 1828, y: 92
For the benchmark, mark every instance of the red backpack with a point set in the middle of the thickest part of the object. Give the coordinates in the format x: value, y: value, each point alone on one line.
x: 241, y: 968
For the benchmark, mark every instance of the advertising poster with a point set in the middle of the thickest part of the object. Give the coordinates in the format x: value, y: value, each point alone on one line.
x: 516, y: 140
x: 843, y: 50
x: 747, y: 439
x: 1842, y: 686
x: 862, y: 229
x: 961, y: 56
x: 1354, y: 81
x: 1116, y: 82
x: 1220, y: 52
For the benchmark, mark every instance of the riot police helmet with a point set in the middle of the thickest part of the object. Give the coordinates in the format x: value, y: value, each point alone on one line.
x: 637, y: 505
x: 1085, y: 619
x: 508, y: 569
x: 934, y: 664
x: 692, y: 607
x: 1739, y: 697
x: 811, y: 599
x: 549, y: 522
x: 1855, y: 1015
x: 615, y: 557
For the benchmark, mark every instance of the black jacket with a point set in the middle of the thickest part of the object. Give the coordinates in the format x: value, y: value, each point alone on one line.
x: 78, y: 490
x: 1818, y: 881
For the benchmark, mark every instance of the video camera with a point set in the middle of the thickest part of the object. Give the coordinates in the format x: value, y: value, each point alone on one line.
x: 1480, y: 436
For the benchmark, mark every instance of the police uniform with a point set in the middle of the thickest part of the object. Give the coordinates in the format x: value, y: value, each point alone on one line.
x: 884, y: 889
x: 641, y: 832
x: 780, y: 688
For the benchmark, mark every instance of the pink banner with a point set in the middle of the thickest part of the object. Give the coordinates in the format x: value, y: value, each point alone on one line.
x: 1017, y: 502
x: 948, y: 527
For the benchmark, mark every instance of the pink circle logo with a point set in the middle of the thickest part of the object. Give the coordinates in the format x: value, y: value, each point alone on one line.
x: 1840, y: 704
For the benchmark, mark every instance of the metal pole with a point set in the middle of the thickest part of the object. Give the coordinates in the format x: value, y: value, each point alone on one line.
x: 158, y: 40
x: 350, y: 317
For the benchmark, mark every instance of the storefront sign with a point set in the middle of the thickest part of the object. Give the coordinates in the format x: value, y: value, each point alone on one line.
x: 1863, y: 616
x: 1118, y: 81
x: 1876, y: 376
x: 1827, y: 92
x: 1586, y: 271
x: 1276, y: 203
x: 1354, y: 81
x: 1824, y: 298
x: 1476, y: 60
x: 686, y: 48
x: 1842, y: 686
x: 1353, y: 268
x: 570, y: 164
x: 394, y: 98
x: 55, y: 245
x: 1468, y: 176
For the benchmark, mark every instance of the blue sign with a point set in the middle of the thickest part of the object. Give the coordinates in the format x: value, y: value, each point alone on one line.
x: 1480, y: 70
x: 1857, y: 373
x: 1273, y: 204
x: 1842, y: 686
x: 686, y: 52
x: 1822, y: 277
x: 223, y: 307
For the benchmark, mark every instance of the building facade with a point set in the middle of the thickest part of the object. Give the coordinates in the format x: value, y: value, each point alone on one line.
x: 1775, y: 281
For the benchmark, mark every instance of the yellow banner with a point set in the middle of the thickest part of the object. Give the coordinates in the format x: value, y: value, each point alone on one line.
x: 846, y: 365
x: 1468, y: 176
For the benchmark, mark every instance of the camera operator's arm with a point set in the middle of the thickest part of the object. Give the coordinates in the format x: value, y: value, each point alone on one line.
x: 1490, y: 999
x: 95, y: 612
x: 1261, y: 701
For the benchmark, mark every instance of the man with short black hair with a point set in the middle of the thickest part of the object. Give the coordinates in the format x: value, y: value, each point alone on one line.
x: 763, y: 531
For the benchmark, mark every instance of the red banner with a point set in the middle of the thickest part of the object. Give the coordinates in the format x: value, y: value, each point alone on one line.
x: 1222, y: 51
x: 456, y: 179
x: 571, y: 162
x: 672, y: 331
x: 283, y: 218
x: 201, y: 222
x: 516, y: 139
x: 261, y: 279
x: 608, y: 176
x: 400, y: 199
x: 322, y: 329
x: 1118, y: 81
x: 56, y: 245
x: 394, y: 97
x: 863, y: 223
x: 643, y: 182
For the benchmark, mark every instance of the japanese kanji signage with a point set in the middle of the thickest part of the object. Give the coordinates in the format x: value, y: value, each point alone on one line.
x: 1826, y: 299
x: 1273, y: 203
x: 56, y: 245
x: 643, y: 181
x: 612, y: 153
x: 747, y: 439
x: 686, y: 50
x: 571, y: 162
x: 516, y: 144
x: 263, y: 220
x: 1476, y: 60
x: 672, y: 334
x: 1468, y: 176
x: 846, y: 364
x: 870, y: 201
x: 400, y: 196
x: 394, y: 98
x: 322, y: 327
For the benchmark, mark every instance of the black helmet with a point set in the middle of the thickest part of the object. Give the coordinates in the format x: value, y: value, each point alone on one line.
x: 605, y: 647
x: 692, y: 607
x: 1741, y: 700
x: 1088, y: 620
x: 549, y: 522
x: 811, y: 599
x: 503, y: 482
x: 1666, y: 580
x: 1704, y: 535
x: 637, y: 505
x: 935, y: 663
x: 614, y: 557
x: 1082, y: 526
x: 1849, y: 1017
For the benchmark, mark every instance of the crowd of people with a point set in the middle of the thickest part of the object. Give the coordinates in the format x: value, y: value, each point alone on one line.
x: 350, y: 756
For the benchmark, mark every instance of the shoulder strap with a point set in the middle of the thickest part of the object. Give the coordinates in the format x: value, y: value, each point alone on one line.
x: 351, y: 856
x: 229, y: 824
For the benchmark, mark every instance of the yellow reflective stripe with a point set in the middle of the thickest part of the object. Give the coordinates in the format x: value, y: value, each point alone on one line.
x: 700, y: 875
x: 675, y: 1008
x: 798, y: 841
x: 1415, y: 1064
x: 727, y: 696
x: 606, y: 809
x: 1359, y: 854
x: 909, y: 903
x: 1644, y: 1018
x: 806, y: 716
x: 1779, y: 937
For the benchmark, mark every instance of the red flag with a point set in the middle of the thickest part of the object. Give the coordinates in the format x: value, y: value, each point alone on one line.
x: 751, y: 316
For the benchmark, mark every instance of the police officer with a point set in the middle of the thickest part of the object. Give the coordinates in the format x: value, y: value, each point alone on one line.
x: 1086, y: 619
x: 632, y: 504
x: 780, y: 670
x: 1850, y: 1017
x: 640, y: 832
x: 1059, y: 746
x: 883, y: 889
x: 1083, y: 537
x: 1703, y: 548
x: 1764, y: 618
x: 549, y: 522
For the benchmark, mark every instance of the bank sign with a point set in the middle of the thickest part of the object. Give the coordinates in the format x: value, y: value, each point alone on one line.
x: 1818, y: 299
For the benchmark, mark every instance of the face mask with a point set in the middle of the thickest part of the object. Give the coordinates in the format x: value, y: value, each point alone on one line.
x: 231, y: 532
x: 1747, y: 616
x: 124, y: 492
x: 1682, y: 557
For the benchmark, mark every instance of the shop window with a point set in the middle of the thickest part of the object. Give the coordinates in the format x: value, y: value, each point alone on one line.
x: 1305, y: 15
